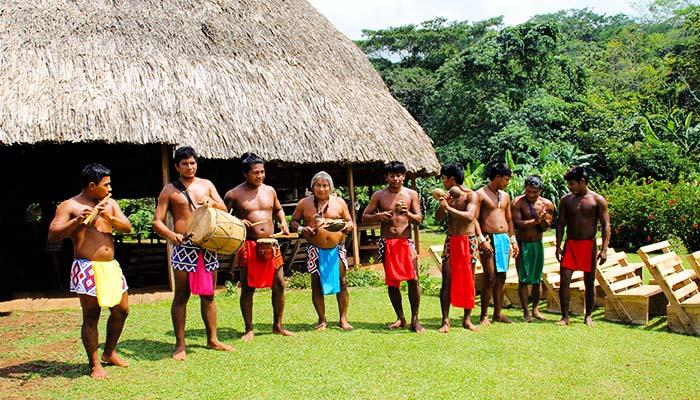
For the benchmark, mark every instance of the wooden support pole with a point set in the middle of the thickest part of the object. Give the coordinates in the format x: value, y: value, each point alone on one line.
x: 416, y: 228
x: 353, y: 213
x: 165, y: 171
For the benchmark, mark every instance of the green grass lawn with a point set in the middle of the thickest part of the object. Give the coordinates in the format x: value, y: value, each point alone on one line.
x: 41, y: 357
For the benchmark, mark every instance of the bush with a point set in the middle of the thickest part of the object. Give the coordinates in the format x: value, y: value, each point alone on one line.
x: 643, y: 212
x: 299, y: 280
x: 362, y: 277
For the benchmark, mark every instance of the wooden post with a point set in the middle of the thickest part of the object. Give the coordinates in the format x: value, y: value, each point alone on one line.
x: 416, y: 228
x: 165, y: 170
x: 353, y: 213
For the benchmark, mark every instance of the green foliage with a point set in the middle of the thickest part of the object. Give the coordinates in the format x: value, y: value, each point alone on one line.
x: 231, y: 289
x: 140, y: 214
x: 362, y: 277
x: 643, y: 212
x: 299, y: 280
x: 655, y: 159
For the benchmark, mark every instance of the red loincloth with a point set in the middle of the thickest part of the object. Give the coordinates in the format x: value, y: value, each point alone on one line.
x: 578, y: 255
x: 462, y: 280
x: 398, y: 261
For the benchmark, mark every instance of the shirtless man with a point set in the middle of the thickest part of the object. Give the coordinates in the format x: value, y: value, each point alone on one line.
x: 458, y: 257
x: 495, y: 249
x: 255, y: 203
x: 93, y: 249
x: 580, y: 212
x: 532, y: 215
x: 180, y: 199
x: 327, y: 260
x: 396, y: 207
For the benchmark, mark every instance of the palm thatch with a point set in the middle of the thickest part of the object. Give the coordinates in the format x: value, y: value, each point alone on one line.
x: 226, y: 77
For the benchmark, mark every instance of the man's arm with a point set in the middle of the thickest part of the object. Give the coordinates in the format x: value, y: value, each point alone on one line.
x: 345, y: 213
x: 561, y: 224
x: 370, y: 214
x: 414, y: 214
x: 511, y: 228
x: 546, y: 221
x: 218, y: 202
x: 159, y: 218
x: 116, y: 218
x: 441, y: 210
x: 467, y: 215
x: 604, y: 218
x: 63, y: 225
x: 279, y: 213
x: 516, y: 215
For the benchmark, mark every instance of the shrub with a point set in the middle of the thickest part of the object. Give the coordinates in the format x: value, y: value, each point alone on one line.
x: 299, y: 280
x: 362, y: 277
x: 643, y: 212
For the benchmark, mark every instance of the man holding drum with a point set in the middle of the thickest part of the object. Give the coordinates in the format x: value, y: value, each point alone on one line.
x: 327, y: 261
x: 180, y: 199
x: 259, y: 259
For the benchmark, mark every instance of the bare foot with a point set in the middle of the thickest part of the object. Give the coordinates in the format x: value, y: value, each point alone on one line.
x: 216, y: 345
x: 114, y: 359
x: 563, y: 322
x: 467, y: 324
x: 588, y: 321
x: 281, y: 331
x: 502, y: 318
x: 527, y: 317
x: 344, y: 325
x: 179, y: 353
x: 398, y: 324
x: 445, y: 328
x: 97, y: 372
x: 248, y: 336
x: 321, y: 326
x: 538, y: 316
x: 485, y: 321
x: 417, y: 327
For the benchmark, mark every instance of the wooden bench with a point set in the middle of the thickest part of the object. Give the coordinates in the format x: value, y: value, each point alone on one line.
x: 679, y: 285
x: 627, y: 298
x: 512, y: 279
x: 694, y: 260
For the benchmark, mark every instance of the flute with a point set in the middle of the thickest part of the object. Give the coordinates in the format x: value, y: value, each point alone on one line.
x: 93, y: 214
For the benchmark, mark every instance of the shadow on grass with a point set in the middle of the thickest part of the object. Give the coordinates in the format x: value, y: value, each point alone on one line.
x: 43, y: 369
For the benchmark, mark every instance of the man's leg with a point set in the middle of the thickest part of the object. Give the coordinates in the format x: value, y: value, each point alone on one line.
x: 115, y: 324
x: 343, y: 298
x: 395, y: 298
x: 246, y: 303
x: 467, y: 321
x: 589, y: 282
x: 278, y: 303
x: 487, y: 262
x: 319, y: 302
x: 414, y: 299
x: 88, y: 333
x: 564, y: 294
x: 445, y: 295
x: 524, y: 301
x: 208, y: 309
x: 498, y: 296
x: 178, y: 312
x: 536, y: 303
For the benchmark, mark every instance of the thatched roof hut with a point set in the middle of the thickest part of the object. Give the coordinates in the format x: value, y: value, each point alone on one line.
x: 270, y: 76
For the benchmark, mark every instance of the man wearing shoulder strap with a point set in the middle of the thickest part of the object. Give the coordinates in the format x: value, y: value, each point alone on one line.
x: 180, y: 198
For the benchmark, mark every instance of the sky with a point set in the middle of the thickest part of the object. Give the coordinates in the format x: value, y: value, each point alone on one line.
x: 350, y: 17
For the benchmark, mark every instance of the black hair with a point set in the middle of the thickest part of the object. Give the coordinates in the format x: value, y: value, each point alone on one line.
x: 576, y: 174
x: 248, y: 160
x: 93, y: 173
x: 534, y: 181
x: 183, y: 153
x: 394, y: 167
x: 498, y: 169
x: 453, y: 170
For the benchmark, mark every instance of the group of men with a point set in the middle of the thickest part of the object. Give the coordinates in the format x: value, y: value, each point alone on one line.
x: 481, y: 225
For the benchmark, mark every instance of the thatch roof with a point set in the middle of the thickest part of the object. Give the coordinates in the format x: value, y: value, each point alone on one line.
x: 270, y: 76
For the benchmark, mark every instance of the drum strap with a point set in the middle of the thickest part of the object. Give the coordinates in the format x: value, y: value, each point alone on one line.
x: 183, y: 190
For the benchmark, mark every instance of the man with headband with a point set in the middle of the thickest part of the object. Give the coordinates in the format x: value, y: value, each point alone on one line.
x: 532, y: 215
x: 327, y: 261
x: 499, y: 239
